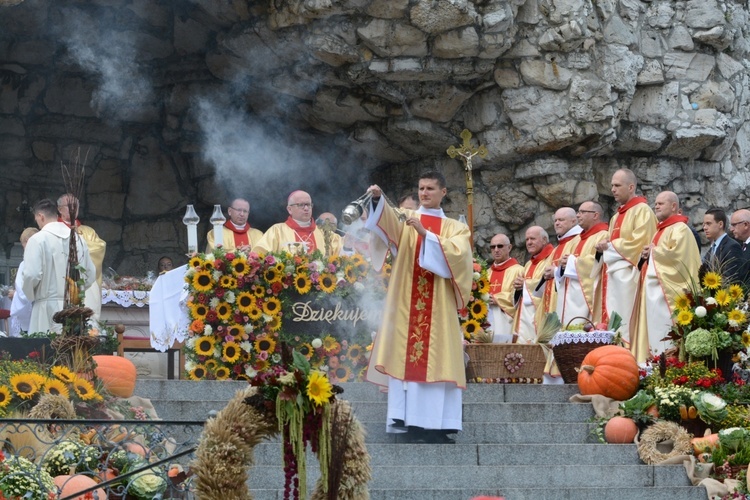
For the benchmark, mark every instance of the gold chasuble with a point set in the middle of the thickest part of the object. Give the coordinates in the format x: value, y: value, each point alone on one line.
x: 234, y: 238
x: 503, y: 309
x: 630, y: 229
x: 673, y: 261
x: 420, y: 337
x: 292, y: 238
x: 565, y: 246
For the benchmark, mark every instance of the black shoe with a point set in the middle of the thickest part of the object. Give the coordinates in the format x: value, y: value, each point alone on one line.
x: 437, y: 436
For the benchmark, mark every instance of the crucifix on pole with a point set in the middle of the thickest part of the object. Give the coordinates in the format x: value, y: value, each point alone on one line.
x: 466, y: 151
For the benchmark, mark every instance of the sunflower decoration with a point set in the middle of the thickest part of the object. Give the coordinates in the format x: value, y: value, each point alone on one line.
x: 302, y: 283
x: 723, y: 298
x: 195, y: 261
x: 272, y: 306
x: 231, y: 352
x: 63, y: 373
x: 265, y: 344
x: 319, y: 389
x: 682, y: 301
x: 202, y: 281
x: 223, y: 310
x: 355, y: 353
x: 245, y: 301
x: 349, y: 274
x: 56, y: 387
x: 736, y: 292
x: 221, y: 373
x: 478, y: 309
x: 5, y: 396
x: 239, y: 266
x: 198, y: 372
x: 26, y: 385
x: 259, y: 291
x: 359, y: 262
x: 228, y: 282
x: 483, y: 284
x: 255, y: 313
x: 204, y: 346
x: 712, y: 280
x: 684, y: 317
x: 272, y: 275
x: 261, y: 365
x: 236, y: 331
x: 306, y: 350
x: 211, y: 364
x: 331, y: 346
x: 85, y: 390
x: 738, y: 316
x: 342, y: 373
x: 327, y: 282
x: 470, y: 327
x: 198, y: 310
x: 335, y: 261
x: 275, y: 324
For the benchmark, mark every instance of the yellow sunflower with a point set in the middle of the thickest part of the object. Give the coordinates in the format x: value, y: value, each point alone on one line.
x: 197, y: 373
x: 342, y: 373
x: 198, y: 310
x: 319, y: 389
x: 335, y: 260
x: 684, y: 317
x: 221, y: 373
x: 5, y: 396
x: 306, y: 350
x: 354, y: 352
x: 235, y: 330
x: 239, y: 266
x: 84, y: 389
x: 735, y: 291
x: 63, y: 373
x: 211, y: 364
x: 204, y: 346
x: 266, y: 344
x: 272, y: 306
x: 712, y: 280
x: 275, y: 324
x: 478, y: 309
x: 228, y: 282
x: 202, y: 281
x: 483, y: 285
x: 723, y: 298
x: 330, y: 345
x: 56, y: 387
x: 302, y: 283
x: 255, y: 313
x: 26, y: 385
x: 245, y: 301
x: 195, y: 262
x: 327, y: 282
x: 231, y: 352
x: 737, y: 315
x: 259, y: 291
x: 349, y: 274
x: 223, y: 310
x: 358, y: 260
x: 746, y: 339
x: 272, y: 275
x: 682, y: 301
x: 470, y: 327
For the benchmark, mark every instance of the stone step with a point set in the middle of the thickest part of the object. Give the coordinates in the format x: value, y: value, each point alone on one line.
x: 382, y: 454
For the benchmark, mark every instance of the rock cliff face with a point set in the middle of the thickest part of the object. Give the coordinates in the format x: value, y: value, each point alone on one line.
x: 199, y: 100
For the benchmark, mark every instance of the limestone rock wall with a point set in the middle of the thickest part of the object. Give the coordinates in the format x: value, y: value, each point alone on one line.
x: 195, y: 101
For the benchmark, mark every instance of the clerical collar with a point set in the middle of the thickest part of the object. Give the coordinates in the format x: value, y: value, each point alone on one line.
x: 238, y: 228
x: 435, y: 212
x: 572, y: 232
x: 302, y: 224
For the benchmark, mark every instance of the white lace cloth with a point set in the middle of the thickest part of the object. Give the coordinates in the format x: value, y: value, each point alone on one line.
x: 578, y: 336
x: 125, y: 298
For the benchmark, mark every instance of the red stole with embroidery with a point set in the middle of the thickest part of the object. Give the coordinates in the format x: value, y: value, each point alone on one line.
x: 497, y: 275
x: 621, y: 214
x: 304, y: 234
x: 596, y: 228
x: 240, y: 235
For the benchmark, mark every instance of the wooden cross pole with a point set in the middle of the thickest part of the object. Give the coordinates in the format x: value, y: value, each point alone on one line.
x: 467, y: 152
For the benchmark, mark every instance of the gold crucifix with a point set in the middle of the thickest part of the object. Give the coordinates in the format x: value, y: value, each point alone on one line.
x: 466, y: 151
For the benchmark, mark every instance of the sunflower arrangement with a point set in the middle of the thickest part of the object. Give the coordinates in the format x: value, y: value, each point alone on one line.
x: 474, y: 320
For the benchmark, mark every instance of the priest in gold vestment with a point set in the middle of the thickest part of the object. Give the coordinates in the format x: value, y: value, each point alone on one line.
x: 502, y: 273
x: 299, y: 232
x: 236, y: 233
x: 667, y: 266
x: 418, y: 350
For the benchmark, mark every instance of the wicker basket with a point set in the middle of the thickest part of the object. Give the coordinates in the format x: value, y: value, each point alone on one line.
x: 570, y: 347
x: 505, y: 363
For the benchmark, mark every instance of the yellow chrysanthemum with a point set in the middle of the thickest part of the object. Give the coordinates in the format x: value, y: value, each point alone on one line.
x: 354, y: 352
x: 223, y: 310
x: 198, y: 310
x: 5, y: 396
x: 737, y: 315
x: 195, y: 261
x: 228, y: 282
x: 26, y: 385
x: 85, y: 390
x: 330, y: 345
x: 211, y: 364
x: 231, y: 352
x: 221, y: 373
x: 306, y: 350
x: 56, y: 387
x: 245, y: 301
x: 682, y: 301
x: 735, y: 291
x: 327, y: 282
x: 272, y: 306
x: 342, y: 373
x: 63, y: 373
x: 202, y: 281
x: 470, y: 327
x: 255, y: 313
x: 302, y: 283
x: 722, y: 298
x: 259, y: 291
x: 483, y: 285
x: 204, y: 346
x: 712, y: 280
x: 198, y: 372
x: 478, y: 309
x: 239, y: 266
x: 266, y: 344
x: 275, y: 324
x: 684, y: 317
x: 272, y: 275
x: 319, y: 389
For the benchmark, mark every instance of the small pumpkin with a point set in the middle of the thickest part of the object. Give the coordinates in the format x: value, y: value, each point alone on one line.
x: 118, y: 374
x: 620, y: 430
x: 70, y: 485
x: 653, y: 410
x: 703, y: 444
x: 611, y: 371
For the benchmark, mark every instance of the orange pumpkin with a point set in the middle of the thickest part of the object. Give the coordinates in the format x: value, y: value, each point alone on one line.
x: 117, y: 374
x: 704, y: 444
x: 611, y: 371
x: 70, y: 485
x: 620, y: 430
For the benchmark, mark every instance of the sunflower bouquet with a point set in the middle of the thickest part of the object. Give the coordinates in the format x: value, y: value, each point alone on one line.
x: 474, y: 319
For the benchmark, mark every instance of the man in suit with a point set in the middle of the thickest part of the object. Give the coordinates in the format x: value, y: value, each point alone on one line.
x: 724, y: 254
x: 739, y: 224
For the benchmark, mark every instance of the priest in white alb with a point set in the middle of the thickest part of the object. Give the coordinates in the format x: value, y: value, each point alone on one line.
x: 418, y: 350
x: 567, y: 231
x: 501, y: 273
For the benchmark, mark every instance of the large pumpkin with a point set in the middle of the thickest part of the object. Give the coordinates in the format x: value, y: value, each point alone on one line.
x: 620, y: 430
x: 117, y: 374
x: 70, y: 485
x: 611, y: 371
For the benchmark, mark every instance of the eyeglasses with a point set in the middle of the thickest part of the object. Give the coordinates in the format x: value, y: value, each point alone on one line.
x: 732, y: 224
x: 496, y: 246
x: 587, y: 212
x: 240, y: 210
x: 301, y: 205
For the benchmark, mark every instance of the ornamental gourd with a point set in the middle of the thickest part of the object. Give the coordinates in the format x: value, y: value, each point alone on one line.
x: 610, y: 371
x: 620, y: 430
x: 117, y: 374
x: 70, y: 485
